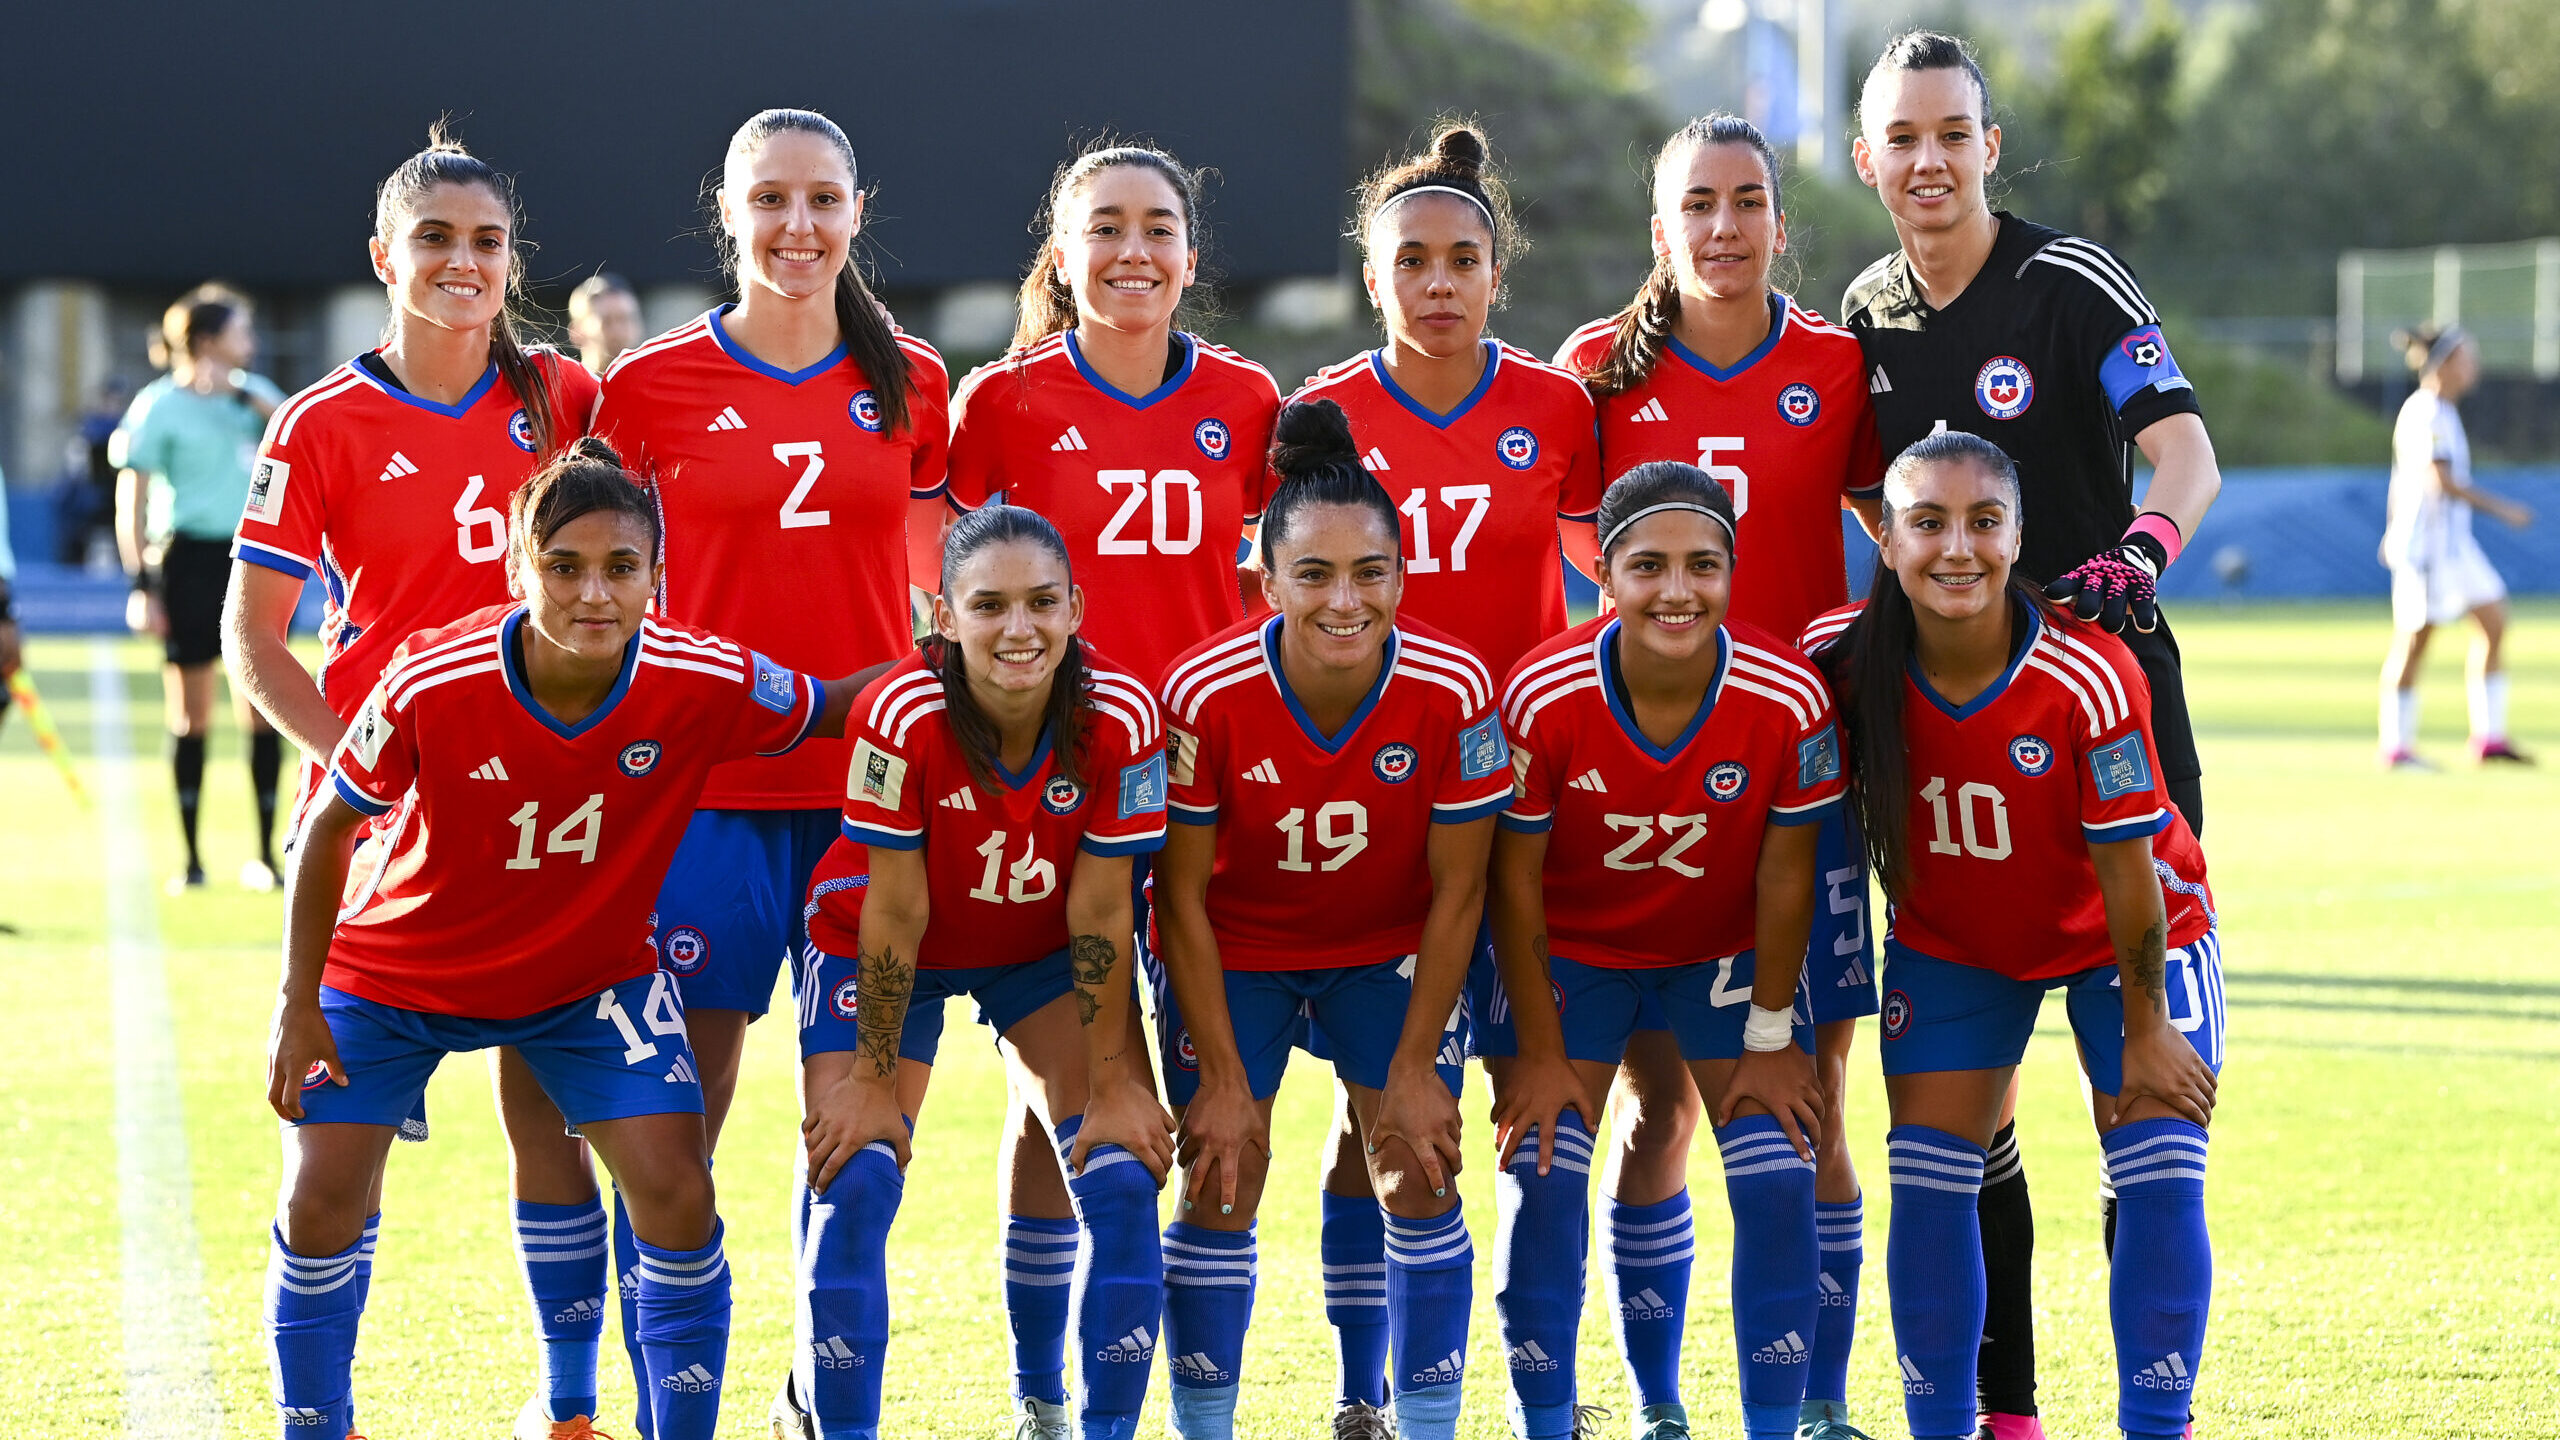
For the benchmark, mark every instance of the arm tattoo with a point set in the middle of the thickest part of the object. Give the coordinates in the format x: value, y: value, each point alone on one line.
x: 2150, y: 965
x: 1091, y: 959
x: 883, y: 984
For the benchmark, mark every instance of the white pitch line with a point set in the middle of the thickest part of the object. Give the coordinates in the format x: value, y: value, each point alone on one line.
x: 168, y: 1353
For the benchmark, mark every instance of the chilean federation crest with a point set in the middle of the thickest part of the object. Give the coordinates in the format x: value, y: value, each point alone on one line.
x: 2004, y: 387
x: 1213, y: 437
x: 864, y: 410
x: 2031, y: 755
x: 1395, y: 762
x: 1799, y: 404
x: 1726, y: 781
x: 520, y: 430
x: 1517, y: 447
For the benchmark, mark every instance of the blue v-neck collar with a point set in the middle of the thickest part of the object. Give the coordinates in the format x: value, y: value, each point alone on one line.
x: 1700, y: 363
x: 1484, y: 382
x: 1329, y: 744
x: 509, y: 661
x: 2030, y: 630
x: 730, y: 347
x: 1613, y: 684
x: 1093, y: 377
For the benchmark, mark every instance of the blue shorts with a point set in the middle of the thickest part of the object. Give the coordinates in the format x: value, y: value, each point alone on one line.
x: 1356, y: 1012
x: 615, y: 1054
x: 1840, y: 959
x: 731, y: 908
x: 1939, y: 1015
x: 1006, y: 996
x: 1702, y: 1005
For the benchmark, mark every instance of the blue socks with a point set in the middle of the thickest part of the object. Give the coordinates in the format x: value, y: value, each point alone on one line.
x: 1542, y: 1240
x: 364, y: 1258
x: 1354, y: 1250
x: 1038, y: 1257
x: 313, y: 1305
x: 1776, y: 1268
x: 1118, y: 1294
x: 564, y: 1253
x: 1208, y: 1302
x: 1430, y: 1286
x: 2162, y: 1281
x: 1841, y: 1229
x: 843, y: 1320
x: 1650, y: 1251
x: 1933, y: 1267
x: 684, y: 1336
x: 626, y: 1290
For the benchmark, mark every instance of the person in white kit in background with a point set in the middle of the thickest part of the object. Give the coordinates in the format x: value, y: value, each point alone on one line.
x: 2438, y: 573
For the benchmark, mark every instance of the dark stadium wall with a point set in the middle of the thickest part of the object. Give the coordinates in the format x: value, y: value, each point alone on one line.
x: 245, y: 141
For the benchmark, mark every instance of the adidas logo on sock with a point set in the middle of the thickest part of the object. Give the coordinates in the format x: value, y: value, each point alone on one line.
x: 302, y: 1414
x: 1266, y: 772
x: 1787, y: 1349
x: 1589, y: 780
x: 1854, y: 976
x: 727, y: 419
x: 1913, y: 1382
x: 691, y: 1380
x: 1198, y: 1366
x: 1071, y: 441
x: 492, y: 768
x: 400, y: 465
x: 1830, y: 1292
x: 1646, y: 1304
x: 1530, y: 1355
x: 2168, y: 1374
x: 629, y: 1285
x: 1877, y: 384
x: 582, y: 1310
x: 959, y: 799
x: 1137, y: 1347
x: 681, y: 1073
x: 1651, y: 410
x: 834, y: 1354
x: 1375, y: 462
x: 1451, y: 1369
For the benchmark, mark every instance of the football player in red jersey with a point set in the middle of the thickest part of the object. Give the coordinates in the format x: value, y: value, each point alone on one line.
x: 390, y: 480
x: 1145, y: 445
x: 1308, y: 869
x: 532, y: 766
x: 2002, y: 748
x: 1657, y: 866
x: 1002, y: 782
x: 1710, y: 364
x: 1490, y: 457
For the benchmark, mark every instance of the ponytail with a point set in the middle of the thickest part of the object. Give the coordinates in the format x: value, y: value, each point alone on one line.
x: 1650, y: 318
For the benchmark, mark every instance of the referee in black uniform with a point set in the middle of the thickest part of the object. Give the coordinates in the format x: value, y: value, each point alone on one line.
x: 2042, y: 343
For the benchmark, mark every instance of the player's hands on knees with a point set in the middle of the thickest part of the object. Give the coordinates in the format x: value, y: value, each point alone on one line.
x: 1418, y: 1109
x: 1785, y: 1084
x: 845, y: 1117
x: 299, y: 1044
x: 1537, y: 1091
x: 1122, y: 1111
x: 2160, y: 1066
x: 1219, y: 1124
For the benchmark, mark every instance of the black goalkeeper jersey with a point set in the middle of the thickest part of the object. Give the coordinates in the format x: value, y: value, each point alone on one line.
x: 2052, y: 354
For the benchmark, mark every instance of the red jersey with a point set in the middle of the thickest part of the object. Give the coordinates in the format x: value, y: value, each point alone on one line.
x: 526, y: 855
x: 1151, y: 491
x: 1788, y: 430
x: 1481, y: 489
x: 998, y: 860
x: 785, y: 500
x: 1653, y: 852
x: 2010, y: 789
x: 397, y: 503
x: 1322, y: 838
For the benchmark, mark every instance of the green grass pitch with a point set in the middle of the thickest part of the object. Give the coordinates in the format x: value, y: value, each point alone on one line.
x: 2386, y: 1154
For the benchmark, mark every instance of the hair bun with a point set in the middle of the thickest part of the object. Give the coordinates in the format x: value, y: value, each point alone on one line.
x: 590, y: 447
x: 1460, y: 150
x: 1310, y: 435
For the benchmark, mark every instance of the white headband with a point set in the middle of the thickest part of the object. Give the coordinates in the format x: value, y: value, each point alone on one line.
x: 2446, y: 343
x: 1621, y: 527
x: 1481, y: 208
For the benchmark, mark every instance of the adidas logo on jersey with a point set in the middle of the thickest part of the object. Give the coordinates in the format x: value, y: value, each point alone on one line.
x: 1651, y: 410
x: 2168, y: 1374
x: 492, y: 768
x: 1198, y: 1366
x: 1913, y: 1382
x: 692, y: 1380
x: 681, y: 1073
x: 1137, y: 1347
x: 1071, y: 441
x: 727, y: 419
x: 1877, y: 384
x: 1375, y: 462
x: 1451, y: 1369
x: 1787, y: 1349
x: 400, y: 465
x: 1646, y: 1304
x: 582, y: 1310
x: 833, y: 1354
x: 1266, y: 772
x: 1589, y: 780
x: 1530, y: 1355
x: 960, y: 799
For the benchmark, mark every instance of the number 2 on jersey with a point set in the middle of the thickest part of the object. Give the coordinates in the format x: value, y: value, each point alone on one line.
x: 1417, y: 508
x: 793, y: 517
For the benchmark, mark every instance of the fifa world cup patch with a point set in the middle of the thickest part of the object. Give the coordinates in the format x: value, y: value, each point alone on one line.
x: 1186, y: 756
x: 777, y: 687
x: 2120, y: 769
x: 1142, y: 786
x: 365, y: 737
x: 1818, y: 759
x: 1481, y: 749
x: 266, y: 489
x: 878, y: 776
